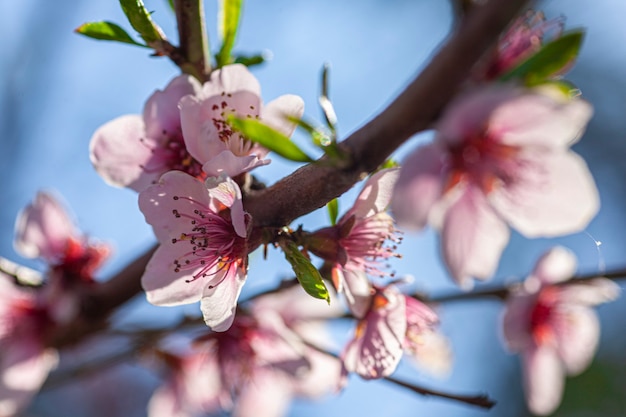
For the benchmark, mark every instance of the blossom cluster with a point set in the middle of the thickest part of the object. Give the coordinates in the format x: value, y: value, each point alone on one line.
x: 500, y: 159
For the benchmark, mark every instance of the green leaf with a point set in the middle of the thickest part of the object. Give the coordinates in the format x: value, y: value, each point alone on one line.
x: 141, y: 21
x: 106, y: 31
x: 269, y: 138
x: 171, y: 4
x: 249, y: 60
x: 308, y: 276
x: 327, y: 106
x: 228, y: 23
x: 549, y: 60
x: 333, y: 210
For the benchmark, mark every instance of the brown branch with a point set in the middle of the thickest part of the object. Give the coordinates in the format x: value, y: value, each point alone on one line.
x: 503, y: 292
x: 314, y: 185
x: 193, y: 38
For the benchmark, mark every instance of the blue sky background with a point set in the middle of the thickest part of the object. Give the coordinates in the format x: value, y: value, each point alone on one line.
x: 56, y: 88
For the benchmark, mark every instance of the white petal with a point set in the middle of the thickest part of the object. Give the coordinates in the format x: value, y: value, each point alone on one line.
x: 275, y: 113
x: 543, y: 380
x: 556, y: 265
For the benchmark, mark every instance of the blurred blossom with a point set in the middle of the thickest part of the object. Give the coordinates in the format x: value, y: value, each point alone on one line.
x: 501, y: 156
x: 553, y: 328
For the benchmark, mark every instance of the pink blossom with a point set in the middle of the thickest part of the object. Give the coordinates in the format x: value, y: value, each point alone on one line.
x: 45, y: 230
x: 210, y: 140
x: 134, y: 150
x: 377, y: 346
x: 24, y: 360
x: 202, y: 230
x: 393, y: 324
x: 501, y: 156
x: 524, y: 38
x: 356, y: 244
x: 254, y: 368
x: 552, y: 326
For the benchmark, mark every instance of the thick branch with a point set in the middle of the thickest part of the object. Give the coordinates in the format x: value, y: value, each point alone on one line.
x: 193, y: 38
x: 314, y: 185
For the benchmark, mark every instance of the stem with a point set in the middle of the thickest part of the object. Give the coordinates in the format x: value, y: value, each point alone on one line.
x: 194, y: 43
x: 502, y: 292
x: 413, y: 111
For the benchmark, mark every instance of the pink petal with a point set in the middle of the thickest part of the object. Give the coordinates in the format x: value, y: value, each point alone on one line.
x: 230, y: 79
x: 556, y: 265
x: 219, y: 303
x: 419, y: 186
x: 557, y: 196
x: 229, y: 164
x: 376, y: 349
x: 161, y: 111
x: 473, y: 237
x: 375, y: 195
x: 117, y: 152
x: 24, y: 366
x: 158, y: 203
x: 590, y: 292
x: 543, y: 380
x: 540, y: 120
x: 268, y: 394
x: 166, y: 287
x: 195, y: 119
x: 471, y: 111
x: 275, y: 113
x: 516, y: 322
x: 227, y: 192
x: 166, y: 402
x: 578, y: 332
x: 357, y: 290
x: 43, y: 229
x: 434, y: 354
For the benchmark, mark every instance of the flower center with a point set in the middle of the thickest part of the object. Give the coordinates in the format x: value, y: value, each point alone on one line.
x: 542, y: 316
x: 213, y: 244
x: 239, y: 103
x: 172, y: 154
x: 482, y: 161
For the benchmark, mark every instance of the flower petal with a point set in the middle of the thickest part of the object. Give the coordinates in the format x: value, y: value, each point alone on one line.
x: 357, y: 290
x: 543, y: 379
x: 578, y: 332
x: 556, y: 197
x: 516, y: 321
x: 232, y: 165
x: 540, y: 120
x: 176, y: 192
x: 590, y: 292
x: 556, y: 265
x: 376, y: 349
x: 375, y: 195
x: 419, y: 186
x: 267, y: 395
x: 230, y: 79
x: 161, y: 113
x: 166, y: 287
x: 119, y: 149
x: 472, y: 239
x: 219, y: 300
x: 43, y: 229
x: 275, y: 114
x: 24, y: 366
x: 227, y: 192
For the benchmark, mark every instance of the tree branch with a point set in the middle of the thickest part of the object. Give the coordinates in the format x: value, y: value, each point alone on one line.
x: 413, y: 111
x: 193, y: 38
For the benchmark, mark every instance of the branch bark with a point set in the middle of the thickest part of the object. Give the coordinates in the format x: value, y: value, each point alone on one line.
x: 193, y: 38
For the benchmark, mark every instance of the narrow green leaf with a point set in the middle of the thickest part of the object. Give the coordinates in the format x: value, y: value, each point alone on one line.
x: 269, y: 138
x: 228, y: 23
x: 106, y: 31
x: 308, y: 276
x: 141, y: 21
x: 171, y: 4
x: 327, y: 106
x: 549, y: 60
x: 249, y: 60
x: 333, y: 210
